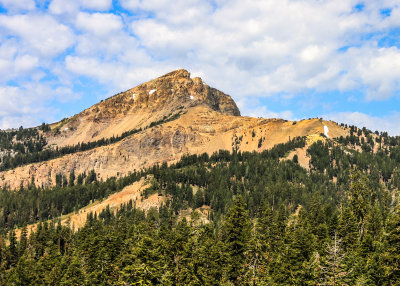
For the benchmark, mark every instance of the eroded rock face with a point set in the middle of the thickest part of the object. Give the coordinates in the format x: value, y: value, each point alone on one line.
x: 199, y: 130
x: 209, y: 121
x: 176, y: 90
x: 138, y: 107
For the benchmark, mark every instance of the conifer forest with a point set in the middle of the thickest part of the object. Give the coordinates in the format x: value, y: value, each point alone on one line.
x: 269, y: 221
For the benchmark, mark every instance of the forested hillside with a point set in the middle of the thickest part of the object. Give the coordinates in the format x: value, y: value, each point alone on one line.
x: 20, y: 142
x: 271, y: 221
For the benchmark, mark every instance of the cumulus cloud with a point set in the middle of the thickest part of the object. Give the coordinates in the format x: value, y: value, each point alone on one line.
x: 25, y: 63
x: 181, y: 12
x: 286, y: 46
x: 379, y: 69
x: 99, y: 24
x: 24, y: 105
x: 41, y: 33
x: 263, y: 112
x: 59, y: 7
x: 18, y: 4
x: 63, y: 7
x: 113, y: 74
x: 100, y: 5
x: 14, y: 64
x: 247, y: 48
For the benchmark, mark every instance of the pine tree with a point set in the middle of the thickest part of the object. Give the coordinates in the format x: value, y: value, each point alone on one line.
x: 23, y: 241
x: 348, y: 229
x: 3, y: 258
x: 392, y: 254
x: 256, y: 259
x: 208, y: 257
x: 236, y: 234
x: 289, y: 267
x: 12, y: 249
x: 359, y: 193
x: 333, y: 269
x: 145, y: 264
x: 74, y: 275
x: 72, y: 178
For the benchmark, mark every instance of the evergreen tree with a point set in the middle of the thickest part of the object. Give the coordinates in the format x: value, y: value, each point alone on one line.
x: 12, y: 249
x: 360, y: 196
x: 72, y: 178
x: 23, y: 241
x: 74, y: 274
x: 392, y: 255
x: 236, y: 234
x: 333, y: 269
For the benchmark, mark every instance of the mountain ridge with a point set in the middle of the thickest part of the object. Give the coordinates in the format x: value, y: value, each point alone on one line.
x: 191, y: 117
x: 138, y: 107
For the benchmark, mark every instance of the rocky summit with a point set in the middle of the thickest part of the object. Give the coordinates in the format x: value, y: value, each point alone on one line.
x: 138, y: 107
x: 167, y: 184
x: 155, y: 122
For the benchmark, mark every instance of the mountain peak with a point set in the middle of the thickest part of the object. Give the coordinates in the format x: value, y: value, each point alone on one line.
x: 153, y: 101
x: 180, y: 73
x: 177, y: 89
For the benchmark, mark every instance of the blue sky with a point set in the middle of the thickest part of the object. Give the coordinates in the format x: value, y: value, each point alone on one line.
x: 294, y: 59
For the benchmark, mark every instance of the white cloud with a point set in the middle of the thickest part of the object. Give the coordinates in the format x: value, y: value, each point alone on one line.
x: 25, y: 63
x: 131, y: 4
x: 247, y: 48
x: 14, y: 63
x: 18, y: 4
x: 65, y: 94
x: 180, y: 12
x: 253, y: 108
x: 284, y: 46
x: 63, y: 7
x: 41, y: 33
x: 90, y: 67
x: 99, y: 24
x: 263, y: 112
x: 313, y: 53
x: 387, y: 123
x: 59, y: 7
x: 99, y: 5
x: 24, y: 105
x: 379, y: 69
x: 113, y: 74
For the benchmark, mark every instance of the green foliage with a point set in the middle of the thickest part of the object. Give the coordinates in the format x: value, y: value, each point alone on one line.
x: 236, y: 235
x: 44, y: 127
x: 271, y: 223
x: 260, y: 141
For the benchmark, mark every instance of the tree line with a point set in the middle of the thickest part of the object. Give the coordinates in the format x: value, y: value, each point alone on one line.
x: 271, y: 222
x: 38, y: 153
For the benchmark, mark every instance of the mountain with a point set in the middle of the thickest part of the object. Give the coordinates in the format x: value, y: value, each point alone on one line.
x: 149, y: 102
x: 166, y: 184
x: 175, y: 114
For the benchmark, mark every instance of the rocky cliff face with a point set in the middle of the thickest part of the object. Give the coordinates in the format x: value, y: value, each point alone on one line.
x: 138, y: 107
x: 209, y: 121
x: 199, y: 130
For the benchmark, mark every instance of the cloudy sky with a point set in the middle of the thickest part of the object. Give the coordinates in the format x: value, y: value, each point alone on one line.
x: 294, y: 59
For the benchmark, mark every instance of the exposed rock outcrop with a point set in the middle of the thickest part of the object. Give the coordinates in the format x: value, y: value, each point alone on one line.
x: 208, y: 121
x: 199, y: 130
x: 138, y: 107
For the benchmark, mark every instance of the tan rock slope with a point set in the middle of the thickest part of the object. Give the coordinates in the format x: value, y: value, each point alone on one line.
x: 138, y: 107
x: 209, y: 121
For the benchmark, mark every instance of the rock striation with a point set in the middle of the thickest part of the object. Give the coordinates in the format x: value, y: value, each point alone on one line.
x: 207, y: 120
x: 138, y: 107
